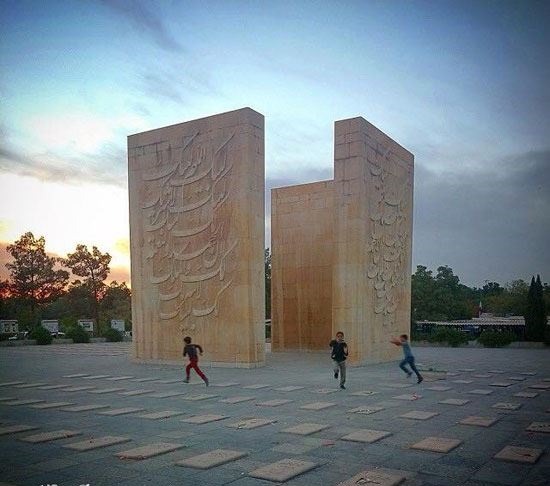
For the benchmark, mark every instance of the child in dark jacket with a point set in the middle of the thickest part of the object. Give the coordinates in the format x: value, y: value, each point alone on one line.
x: 190, y: 350
x: 339, y: 354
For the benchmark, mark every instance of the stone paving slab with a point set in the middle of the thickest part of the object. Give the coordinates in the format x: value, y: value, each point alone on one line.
x: 366, y: 410
x: 482, y: 375
x: 23, y: 402
x: 479, y: 421
x: 439, y: 388
x: 540, y: 386
x: 30, y: 385
x: 324, y: 391
x: 161, y: 415
x: 256, y: 386
x: 496, y: 372
x: 398, y: 385
x: 408, y: 397
x: 376, y: 477
x: 366, y: 435
x: 233, y: 400
x: 543, y: 427
x: 212, y: 459
x: 50, y: 436
x: 517, y: 378
x: 15, y: 429
x: 76, y: 375
x: 84, y: 408
x: 7, y: 399
x: 455, y: 401
x: 507, y: 406
x: 282, y: 470
x: 169, y: 382
x: 95, y: 377
x: 519, y: 454
x: 204, y: 419
x: 464, y: 382
x: 77, y: 389
x: 480, y: 391
x: 317, y: 405
x: 466, y: 370
x: 436, y: 444
x: 168, y: 394
x: 419, y: 415
x: 273, y: 403
x: 47, y: 405
x: 11, y: 383
x: 199, y: 397
x: 96, y: 443
x: 118, y: 378
x: 293, y: 448
x: 102, y: 391
x: 528, y: 373
x: 53, y: 387
x: 364, y: 393
x: 526, y: 394
x: 142, y: 380
x: 151, y: 450
x: 501, y: 384
x: 251, y: 423
x: 133, y: 393
x: 289, y: 388
x: 120, y: 411
x: 306, y: 429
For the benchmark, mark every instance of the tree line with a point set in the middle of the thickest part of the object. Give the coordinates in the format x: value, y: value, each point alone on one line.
x: 40, y: 287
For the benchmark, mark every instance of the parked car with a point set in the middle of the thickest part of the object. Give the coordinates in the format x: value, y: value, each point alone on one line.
x: 58, y: 334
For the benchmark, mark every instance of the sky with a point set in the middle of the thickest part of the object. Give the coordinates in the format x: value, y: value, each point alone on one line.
x: 463, y: 85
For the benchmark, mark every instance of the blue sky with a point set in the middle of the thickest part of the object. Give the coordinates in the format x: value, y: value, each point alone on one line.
x: 462, y: 85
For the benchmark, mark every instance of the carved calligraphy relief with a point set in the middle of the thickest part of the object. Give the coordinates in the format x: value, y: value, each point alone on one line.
x: 187, y: 243
x: 387, y: 250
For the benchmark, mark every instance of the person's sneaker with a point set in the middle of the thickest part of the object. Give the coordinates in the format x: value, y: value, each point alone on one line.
x: 336, y: 374
x: 206, y: 382
x: 420, y: 380
x: 342, y: 387
x: 186, y: 380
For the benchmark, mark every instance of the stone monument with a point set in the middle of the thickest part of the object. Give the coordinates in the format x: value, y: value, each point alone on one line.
x: 341, y: 249
x: 197, y: 239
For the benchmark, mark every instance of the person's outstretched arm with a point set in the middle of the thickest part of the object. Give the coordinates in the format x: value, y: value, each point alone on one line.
x: 199, y: 347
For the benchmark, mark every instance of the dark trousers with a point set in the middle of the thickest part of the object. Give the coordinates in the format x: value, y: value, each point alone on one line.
x: 194, y: 363
x: 409, y: 361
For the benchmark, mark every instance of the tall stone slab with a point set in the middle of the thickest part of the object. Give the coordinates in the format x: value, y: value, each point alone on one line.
x: 197, y: 239
x: 301, y: 265
x: 373, y: 198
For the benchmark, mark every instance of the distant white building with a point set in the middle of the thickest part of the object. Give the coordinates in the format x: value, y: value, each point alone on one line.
x: 8, y: 326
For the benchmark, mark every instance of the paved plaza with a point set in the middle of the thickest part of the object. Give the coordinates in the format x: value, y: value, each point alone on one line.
x: 85, y: 414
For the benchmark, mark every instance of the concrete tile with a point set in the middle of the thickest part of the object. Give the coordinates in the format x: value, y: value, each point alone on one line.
x: 464, y: 382
x: 142, y: 380
x: 49, y: 436
x: 526, y: 394
x: 282, y: 470
x: 501, y: 384
x: 305, y: 429
x: 203, y: 419
x: 378, y: 477
x: 419, y: 415
x: 540, y: 386
x: 133, y: 393
x: 273, y: 403
x: 364, y: 393
x: 317, y: 405
x: 251, y: 423
x: 148, y: 451
x: 11, y: 383
x: 53, y: 387
x: 528, y: 373
x: 234, y: 400
x: 517, y: 378
x: 30, y: 385
x: 454, y: 401
x: 76, y: 375
x: 482, y: 375
x: 103, y: 391
x: 7, y: 399
x: 95, y: 377
x: 366, y: 409
x: 507, y: 406
x: 519, y: 454
x: 366, y: 435
x: 120, y: 411
x: 161, y: 415
x: 325, y: 391
x: 408, y: 397
x: 84, y: 408
x: 439, y: 388
x: 23, y: 402
x: 15, y: 429
x: 199, y: 397
x: 225, y: 384
x: 479, y: 421
x: 47, y: 405
x: 291, y: 388
x: 168, y: 394
x: 96, y: 443
x: 74, y: 389
x: 257, y: 386
x: 118, y: 378
x: 543, y: 427
x: 212, y: 459
x: 173, y: 380
x: 480, y: 391
x: 436, y: 444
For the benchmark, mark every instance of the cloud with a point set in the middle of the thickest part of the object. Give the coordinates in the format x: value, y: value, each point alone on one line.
x: 49, y: 166
x: 145, y: 19
x: 491, y: 223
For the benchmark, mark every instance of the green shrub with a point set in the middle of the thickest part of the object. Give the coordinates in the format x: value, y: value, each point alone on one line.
x: 78, y: 334
x: 453, y: 337
x: 547, y: 336
x: 495, y: 339
x: 42, y: 335
x: 112, y: 335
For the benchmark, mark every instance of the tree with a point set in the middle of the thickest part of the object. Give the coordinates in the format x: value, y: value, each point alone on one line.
x: 94, y: 268
x: 117, y: 302
x: 535, y: 312
x: 33, y: 279
x: 267, y: 264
